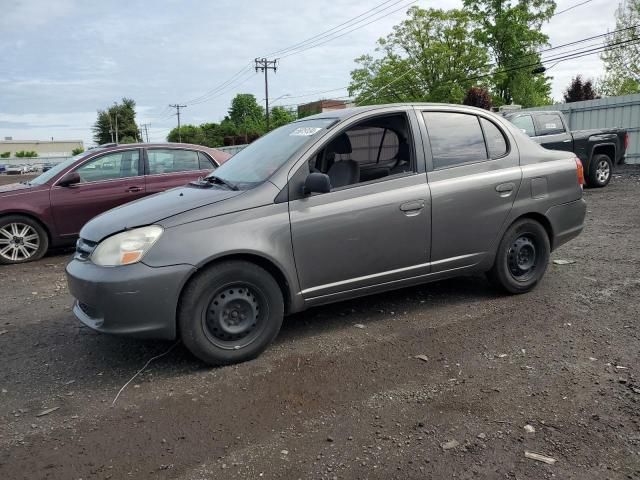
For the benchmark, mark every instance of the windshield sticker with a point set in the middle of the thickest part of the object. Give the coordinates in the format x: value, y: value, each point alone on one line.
x: 550, y: 125
x: 304, y: 131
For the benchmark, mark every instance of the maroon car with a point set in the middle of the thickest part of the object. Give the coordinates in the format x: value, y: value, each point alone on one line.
x: 50, y: 210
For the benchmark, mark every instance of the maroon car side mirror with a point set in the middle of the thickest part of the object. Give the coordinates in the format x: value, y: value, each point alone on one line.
x: 68, y: 179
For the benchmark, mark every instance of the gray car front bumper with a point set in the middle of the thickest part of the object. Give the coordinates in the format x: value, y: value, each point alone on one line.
x: 135, y: 300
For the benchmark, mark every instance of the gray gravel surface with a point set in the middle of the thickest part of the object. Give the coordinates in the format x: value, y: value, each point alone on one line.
x: 341, y: 393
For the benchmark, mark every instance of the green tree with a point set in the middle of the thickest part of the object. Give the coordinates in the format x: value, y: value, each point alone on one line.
x: 511, y: 31
x: 188, y: 134
x: 430, y: 56
x: 106, y: 123
x: 77, y: 151
x: 213, y: 134
x: 5, y: 155
x: 622, y: 61
x: 281, y: 116
x: 246, y: 115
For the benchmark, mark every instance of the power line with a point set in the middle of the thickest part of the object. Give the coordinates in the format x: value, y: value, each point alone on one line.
x: 314, y: 45
x: 220, y: 86
x: 338, y: 28
x: 572, y: 7
x: 236, y: 84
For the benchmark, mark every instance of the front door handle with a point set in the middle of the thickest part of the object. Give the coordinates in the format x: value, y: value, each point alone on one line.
x: 133, y: 189
x: 412, y: 206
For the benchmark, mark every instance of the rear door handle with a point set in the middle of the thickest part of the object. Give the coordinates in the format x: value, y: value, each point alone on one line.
x: 505, y: 189
x: 413, y: 206
x: 133, y: 189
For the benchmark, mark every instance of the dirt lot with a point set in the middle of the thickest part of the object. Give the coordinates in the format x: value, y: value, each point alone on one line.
x: 341, y: 394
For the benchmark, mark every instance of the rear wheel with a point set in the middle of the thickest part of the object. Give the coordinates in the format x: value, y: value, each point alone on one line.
x: 522, y: 257
x: 600, y: 170
x: 21, y: 240
x: 230, y: 313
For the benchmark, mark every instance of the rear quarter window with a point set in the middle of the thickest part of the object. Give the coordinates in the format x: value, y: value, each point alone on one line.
x: 496, y: 142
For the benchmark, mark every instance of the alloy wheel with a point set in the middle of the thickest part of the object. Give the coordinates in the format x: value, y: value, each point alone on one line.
x: 603, y: 171
x: 18, y: 242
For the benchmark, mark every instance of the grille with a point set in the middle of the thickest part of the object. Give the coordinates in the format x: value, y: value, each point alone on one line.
x: 84, y: 249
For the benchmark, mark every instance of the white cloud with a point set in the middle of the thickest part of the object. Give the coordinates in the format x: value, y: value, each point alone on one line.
x: 70, y: 58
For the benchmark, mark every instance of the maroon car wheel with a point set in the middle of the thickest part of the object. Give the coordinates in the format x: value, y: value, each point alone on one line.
x: 21, y: 240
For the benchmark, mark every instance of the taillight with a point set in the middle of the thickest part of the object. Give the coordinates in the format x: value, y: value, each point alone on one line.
x: 579, y: 171
x: 626, y: 141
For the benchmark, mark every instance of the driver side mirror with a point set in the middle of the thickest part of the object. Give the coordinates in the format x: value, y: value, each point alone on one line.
x: 317, y: 182
x: 68, y: 179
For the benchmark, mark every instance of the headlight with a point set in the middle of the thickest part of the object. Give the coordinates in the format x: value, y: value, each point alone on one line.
x: 127, y: 247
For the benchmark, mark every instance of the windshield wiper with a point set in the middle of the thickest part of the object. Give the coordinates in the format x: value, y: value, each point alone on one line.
x: 214, y: 178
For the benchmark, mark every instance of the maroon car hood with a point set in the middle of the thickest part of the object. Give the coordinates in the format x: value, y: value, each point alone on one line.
x: 19, y: 187
x: 13, y: 186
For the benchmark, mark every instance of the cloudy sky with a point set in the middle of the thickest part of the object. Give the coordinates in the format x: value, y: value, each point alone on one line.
x: 61, y: 60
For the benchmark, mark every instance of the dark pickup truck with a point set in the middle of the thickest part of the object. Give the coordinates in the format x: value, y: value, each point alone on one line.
x: 598, y: 150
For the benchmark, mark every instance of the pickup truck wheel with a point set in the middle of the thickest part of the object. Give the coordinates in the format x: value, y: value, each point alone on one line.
x: 600, y: 170
x: 230, y: 313
x: 21, y: 240
x: 522, y: 257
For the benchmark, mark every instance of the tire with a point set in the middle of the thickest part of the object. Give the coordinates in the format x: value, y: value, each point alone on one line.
x: 522, y: 257
x: 22, y: 240
x: 230, y: 313
x: 600, y: 171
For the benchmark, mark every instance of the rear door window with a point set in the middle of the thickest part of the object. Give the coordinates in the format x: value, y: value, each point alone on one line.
x: 172, y: 161
x: 455, y: 138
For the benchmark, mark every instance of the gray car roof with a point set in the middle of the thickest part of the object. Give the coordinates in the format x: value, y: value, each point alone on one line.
x: 348, y: 112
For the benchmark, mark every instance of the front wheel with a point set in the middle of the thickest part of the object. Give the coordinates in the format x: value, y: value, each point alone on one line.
x: 522, y: 257
x: 21, y: 240
x: 230, y: 312
x: 600, y: 170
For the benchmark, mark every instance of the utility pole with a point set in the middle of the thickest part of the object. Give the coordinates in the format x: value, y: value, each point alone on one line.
x: 146, y: 132
x: 265, y: 65
x: 178, y: 107
x: 115, y: 105
x: 110, y: 125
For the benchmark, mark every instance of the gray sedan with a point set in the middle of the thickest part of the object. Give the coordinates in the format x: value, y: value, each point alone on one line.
x: 331, y: 207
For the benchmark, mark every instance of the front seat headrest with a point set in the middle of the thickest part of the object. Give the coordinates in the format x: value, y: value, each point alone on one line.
x: 340, y: 144
x: 404, y: 152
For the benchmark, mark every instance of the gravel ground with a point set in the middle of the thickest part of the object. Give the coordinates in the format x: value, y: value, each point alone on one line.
x: 341, y: 393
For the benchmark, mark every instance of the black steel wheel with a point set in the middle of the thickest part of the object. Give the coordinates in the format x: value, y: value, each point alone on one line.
x: 522, y: 257
x: 230, y: 312
x: 235, y: 315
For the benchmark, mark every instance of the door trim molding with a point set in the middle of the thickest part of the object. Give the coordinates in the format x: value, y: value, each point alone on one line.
x: 374, y: 276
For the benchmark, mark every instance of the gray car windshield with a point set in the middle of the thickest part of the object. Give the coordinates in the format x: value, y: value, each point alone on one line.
x: 258, y: 161
x: 55, y: 170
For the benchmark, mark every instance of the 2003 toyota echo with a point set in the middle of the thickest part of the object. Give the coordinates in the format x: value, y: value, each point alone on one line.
x: 337, y: 205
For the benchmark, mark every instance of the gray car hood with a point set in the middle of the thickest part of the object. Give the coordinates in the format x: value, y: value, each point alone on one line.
x: 153, y: 209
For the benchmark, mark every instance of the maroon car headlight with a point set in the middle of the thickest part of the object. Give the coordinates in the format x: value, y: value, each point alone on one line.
x: 127, y: 247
